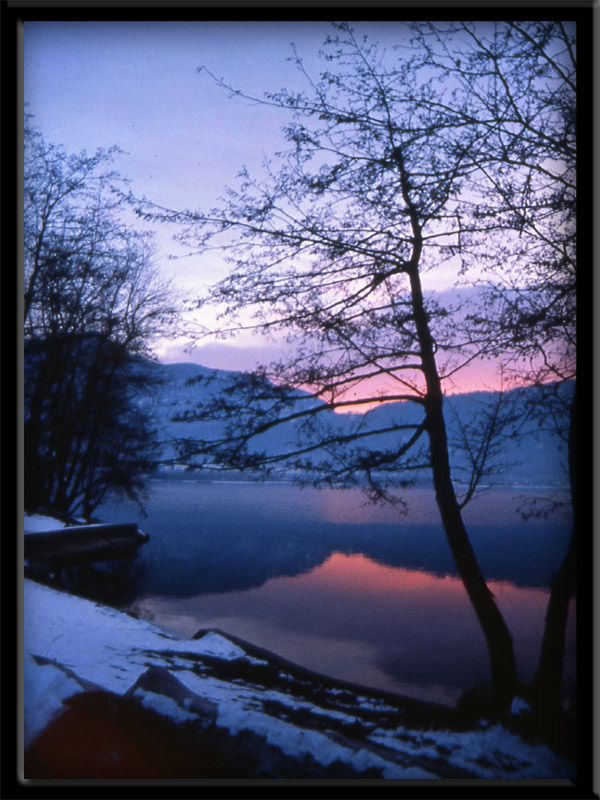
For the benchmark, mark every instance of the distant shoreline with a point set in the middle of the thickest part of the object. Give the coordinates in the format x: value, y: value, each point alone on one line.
x: 181, y: 473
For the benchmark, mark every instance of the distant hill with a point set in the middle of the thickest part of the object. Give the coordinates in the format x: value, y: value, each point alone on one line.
x: 535, y: 457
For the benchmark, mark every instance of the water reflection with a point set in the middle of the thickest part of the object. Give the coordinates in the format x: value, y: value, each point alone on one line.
x: 208, y: 538
x: 352, y: 618
x: 353, y: 590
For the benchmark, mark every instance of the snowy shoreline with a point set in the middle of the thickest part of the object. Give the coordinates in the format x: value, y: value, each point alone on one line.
x: 279, y: 722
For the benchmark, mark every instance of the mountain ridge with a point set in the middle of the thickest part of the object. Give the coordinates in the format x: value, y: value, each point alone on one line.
x: 541, y: 455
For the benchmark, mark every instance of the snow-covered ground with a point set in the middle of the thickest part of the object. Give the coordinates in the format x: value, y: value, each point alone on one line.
x: 73, y: 646
x: 38, y: 523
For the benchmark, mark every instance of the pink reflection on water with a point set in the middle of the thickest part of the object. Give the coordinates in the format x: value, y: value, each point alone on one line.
x: 391, y: 628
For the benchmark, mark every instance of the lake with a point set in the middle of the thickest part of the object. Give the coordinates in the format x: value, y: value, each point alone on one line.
x: 350, y: 589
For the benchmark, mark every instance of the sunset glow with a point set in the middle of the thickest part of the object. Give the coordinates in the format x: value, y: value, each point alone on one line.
x: 482, y: 375
x: 366, y: 576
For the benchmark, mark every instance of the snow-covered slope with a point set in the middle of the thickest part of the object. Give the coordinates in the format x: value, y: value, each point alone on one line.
x: 221, y: 696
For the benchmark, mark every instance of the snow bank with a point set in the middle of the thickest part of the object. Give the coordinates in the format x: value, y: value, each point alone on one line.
x: 102, y: 645
x: 45, y: 688
x: 212, y: 683
x: 215, y: 645
x: 38, y: 523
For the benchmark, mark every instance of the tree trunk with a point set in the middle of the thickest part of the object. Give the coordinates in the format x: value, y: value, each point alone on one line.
x: 498, y: 637
x: 548, y: 676
x: 499, y: 641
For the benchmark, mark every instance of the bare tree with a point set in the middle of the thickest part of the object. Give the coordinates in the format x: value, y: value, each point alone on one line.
x: 517, y: 83
x: 93, y: 304
x: 388, y: 178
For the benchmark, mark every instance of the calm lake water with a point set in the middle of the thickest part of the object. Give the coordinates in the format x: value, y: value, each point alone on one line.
x: 352, y: 590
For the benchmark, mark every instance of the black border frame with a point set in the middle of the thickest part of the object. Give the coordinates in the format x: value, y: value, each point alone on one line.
x: 13, y: 13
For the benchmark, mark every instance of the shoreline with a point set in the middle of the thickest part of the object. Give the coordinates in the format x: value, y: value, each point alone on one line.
x: 221, y: 707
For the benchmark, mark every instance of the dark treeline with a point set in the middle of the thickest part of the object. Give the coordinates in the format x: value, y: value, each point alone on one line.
x: 92, y: 305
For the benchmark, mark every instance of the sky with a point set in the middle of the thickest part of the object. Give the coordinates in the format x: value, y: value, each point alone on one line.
x: 136, y: 85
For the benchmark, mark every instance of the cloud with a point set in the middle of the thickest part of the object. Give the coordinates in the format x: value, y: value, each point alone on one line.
x: 221, y: 355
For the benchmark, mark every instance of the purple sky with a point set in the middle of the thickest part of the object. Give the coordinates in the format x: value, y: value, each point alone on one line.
x: 95, y: 84
x: 136, y: 85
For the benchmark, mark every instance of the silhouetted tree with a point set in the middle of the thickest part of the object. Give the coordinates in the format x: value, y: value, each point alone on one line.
x: 390, y: 176
x: 93, y: 304
x: 517, y: 82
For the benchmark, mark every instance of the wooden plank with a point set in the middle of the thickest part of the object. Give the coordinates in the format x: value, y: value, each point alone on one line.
x: 83, y: 543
